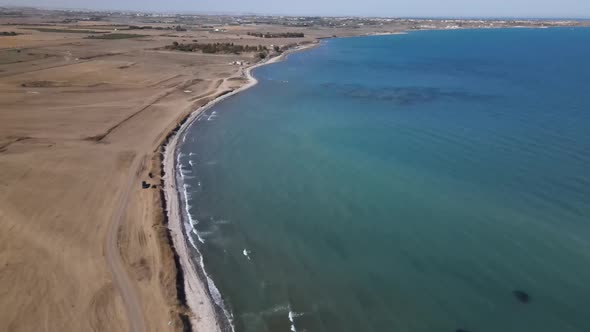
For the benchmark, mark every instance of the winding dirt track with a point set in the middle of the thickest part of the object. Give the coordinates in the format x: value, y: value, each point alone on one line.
x: 113, y: 257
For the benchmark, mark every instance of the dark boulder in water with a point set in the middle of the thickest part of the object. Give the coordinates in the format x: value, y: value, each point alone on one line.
x: 461, y: 330
x: 521, y: 296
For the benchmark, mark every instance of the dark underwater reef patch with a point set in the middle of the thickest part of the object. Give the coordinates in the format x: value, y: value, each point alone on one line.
x: 464, y: 68
x: 521, y: 296
x: 404, y: 96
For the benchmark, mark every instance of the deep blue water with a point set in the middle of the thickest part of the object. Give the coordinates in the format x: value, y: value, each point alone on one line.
x: 402, y: 183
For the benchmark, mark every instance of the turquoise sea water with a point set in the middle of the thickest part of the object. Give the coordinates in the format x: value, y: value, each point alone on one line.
x: 402, y: 183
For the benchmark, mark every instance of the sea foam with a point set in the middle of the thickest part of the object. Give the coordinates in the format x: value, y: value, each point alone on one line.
x: 190, y: 227
x: 292, y: 315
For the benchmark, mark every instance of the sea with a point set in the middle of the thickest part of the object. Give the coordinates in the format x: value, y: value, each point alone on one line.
x: 423, y: 182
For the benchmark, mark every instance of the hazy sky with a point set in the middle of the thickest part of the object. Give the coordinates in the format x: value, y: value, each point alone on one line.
x: 415, y: 8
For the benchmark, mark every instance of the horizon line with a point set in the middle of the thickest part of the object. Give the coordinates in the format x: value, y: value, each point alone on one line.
x: 229, y: 13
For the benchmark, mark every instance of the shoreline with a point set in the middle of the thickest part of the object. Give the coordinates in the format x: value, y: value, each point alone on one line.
x: 205, y: 315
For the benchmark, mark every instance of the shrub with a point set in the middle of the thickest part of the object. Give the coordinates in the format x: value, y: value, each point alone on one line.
x: 212, y: 48
x: 277, y: 35
x: 116, y: 36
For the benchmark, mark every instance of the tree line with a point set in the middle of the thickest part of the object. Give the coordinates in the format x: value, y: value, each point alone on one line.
x: 149, y: 27
x: 212, y: 48
x: 277, y: 35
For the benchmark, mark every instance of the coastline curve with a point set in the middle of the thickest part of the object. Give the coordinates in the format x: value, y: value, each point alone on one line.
x: 207, y: 315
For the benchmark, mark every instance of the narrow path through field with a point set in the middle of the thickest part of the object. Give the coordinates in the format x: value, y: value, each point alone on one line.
x: 113, y: 256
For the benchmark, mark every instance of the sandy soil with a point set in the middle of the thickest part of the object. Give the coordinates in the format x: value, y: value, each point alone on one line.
x: 82, y: 246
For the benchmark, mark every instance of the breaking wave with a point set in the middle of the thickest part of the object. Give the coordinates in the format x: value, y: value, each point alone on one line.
x: 190, y: 224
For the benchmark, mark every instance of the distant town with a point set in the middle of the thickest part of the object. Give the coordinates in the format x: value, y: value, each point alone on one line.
x: 16, y: 15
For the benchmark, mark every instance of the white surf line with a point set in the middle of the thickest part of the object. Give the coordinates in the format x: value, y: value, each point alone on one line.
x: 197, y: 296
x: 192, y: 222
x: 292, y: 315
x: 212, y: 116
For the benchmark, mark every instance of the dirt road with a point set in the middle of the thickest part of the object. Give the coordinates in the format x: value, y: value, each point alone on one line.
x: 113, y: 257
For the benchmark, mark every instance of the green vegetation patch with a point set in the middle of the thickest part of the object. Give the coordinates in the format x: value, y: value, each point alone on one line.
x: 64, y: 30
x: 17, y: 55
x: 8, y: 33
x: 116, y: 36
x: 277, y: 35
x: 213, y: 48
x: 143, y: 27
